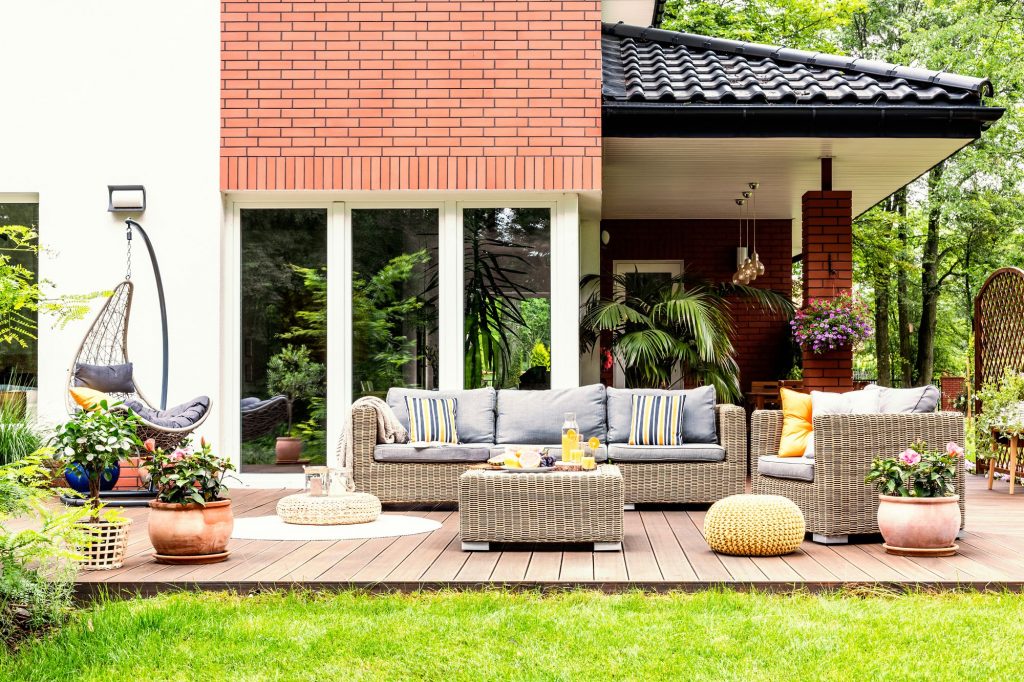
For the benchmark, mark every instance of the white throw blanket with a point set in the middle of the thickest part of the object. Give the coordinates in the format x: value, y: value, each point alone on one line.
x: 389, y: 429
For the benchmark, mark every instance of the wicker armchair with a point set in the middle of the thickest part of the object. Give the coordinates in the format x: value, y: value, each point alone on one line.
x: 837, y: 503
x: 409, y: 482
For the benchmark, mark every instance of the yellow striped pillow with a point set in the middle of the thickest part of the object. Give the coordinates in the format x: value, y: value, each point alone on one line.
x: 656, y: 420
x: 432, y: 420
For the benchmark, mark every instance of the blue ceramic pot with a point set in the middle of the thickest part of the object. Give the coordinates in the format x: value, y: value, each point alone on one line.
x: 78, y: 480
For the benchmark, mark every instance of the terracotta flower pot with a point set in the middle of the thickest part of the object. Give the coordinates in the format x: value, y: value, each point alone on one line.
x: 919, y: 526
x: 190, y: 533
x: 288, y: 450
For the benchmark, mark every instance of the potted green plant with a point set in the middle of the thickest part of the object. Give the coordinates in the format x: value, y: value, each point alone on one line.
x: 918, y: 510
x: 96, y: 440
x: 191, y: 520
x: 295, y: 375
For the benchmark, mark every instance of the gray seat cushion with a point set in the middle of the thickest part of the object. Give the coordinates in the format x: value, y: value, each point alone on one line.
x: 105, y: 378
x: 251, y: 401
x: 434, y: 454
x: 474, y: 410
x: 536, y: 417
x: 687, y: 452
x: 177, y: 417
x: 553, y: 450
x: 921, y: 399
x: 698, y: 413
x: 792, y: 468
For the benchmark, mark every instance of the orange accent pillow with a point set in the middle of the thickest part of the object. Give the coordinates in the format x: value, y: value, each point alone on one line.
x: 88, y: 398
x: 796, y: 423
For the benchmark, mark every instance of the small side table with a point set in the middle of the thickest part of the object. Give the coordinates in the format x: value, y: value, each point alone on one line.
x: 328, y: 510
x: 1012, y: 467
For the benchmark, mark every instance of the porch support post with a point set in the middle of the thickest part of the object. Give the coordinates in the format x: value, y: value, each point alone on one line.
x: 828, y: 269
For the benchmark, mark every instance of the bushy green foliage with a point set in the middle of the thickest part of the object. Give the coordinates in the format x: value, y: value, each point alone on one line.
x: 36, y: 564
x: 188, y: 475
x: 294, y: 374
x: 18, y: 437
x: 96, y: 440
x: 1002, y: 408
x: 917, y: 471
x: 679, y: 325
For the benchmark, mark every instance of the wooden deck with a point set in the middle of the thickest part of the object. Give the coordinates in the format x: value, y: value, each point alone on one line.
x: 663, y: 549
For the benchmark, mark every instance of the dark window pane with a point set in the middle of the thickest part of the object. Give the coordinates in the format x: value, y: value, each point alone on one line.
x: 19, y: 360
x: 284, y: 304
x: 394, y: 300
x: 507, y: 277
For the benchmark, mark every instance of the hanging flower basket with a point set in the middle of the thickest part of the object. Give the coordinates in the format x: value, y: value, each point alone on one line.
x: 828, y: 324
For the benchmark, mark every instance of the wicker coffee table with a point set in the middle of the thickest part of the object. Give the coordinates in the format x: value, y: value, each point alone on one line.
x: 585, y: 506
x: 328, y: 510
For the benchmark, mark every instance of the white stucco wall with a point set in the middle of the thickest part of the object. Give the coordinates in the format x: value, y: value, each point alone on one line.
x: 120, y: 92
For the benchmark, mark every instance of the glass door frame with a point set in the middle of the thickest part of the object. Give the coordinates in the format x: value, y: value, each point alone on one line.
x: 565, y: 269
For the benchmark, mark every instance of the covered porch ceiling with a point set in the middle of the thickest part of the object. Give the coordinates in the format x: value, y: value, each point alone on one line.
x: 694, y: 178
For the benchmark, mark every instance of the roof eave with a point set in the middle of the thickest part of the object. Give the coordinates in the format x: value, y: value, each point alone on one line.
x: 668, y: 119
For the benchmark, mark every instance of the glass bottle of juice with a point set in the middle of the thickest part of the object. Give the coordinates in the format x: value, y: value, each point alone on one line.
x: 570, y: 436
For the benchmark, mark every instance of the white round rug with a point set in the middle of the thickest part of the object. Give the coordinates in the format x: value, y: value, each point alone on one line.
x: 386, y: 526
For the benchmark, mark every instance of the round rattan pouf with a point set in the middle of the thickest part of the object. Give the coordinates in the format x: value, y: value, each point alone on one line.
x: 328, y: 510
x: 754, y: 525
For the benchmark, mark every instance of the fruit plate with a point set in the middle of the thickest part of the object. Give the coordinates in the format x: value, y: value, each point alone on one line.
x: 528, y: 470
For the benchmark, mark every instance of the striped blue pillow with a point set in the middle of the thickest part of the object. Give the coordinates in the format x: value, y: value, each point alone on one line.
x: 432, y: 420
x: 656, y: 420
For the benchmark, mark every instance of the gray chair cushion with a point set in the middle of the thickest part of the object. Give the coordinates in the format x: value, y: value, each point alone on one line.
x: 249, y: 402
x: 536, y: 416
x: 553, y: 450
x: 474, y: 410
x: 687, y: 452
x: 792, y: 468
x: 921, y: 399
x: 434, y: 454
x: 106, y: 378
x: 177, y: 417
x: 698, y: 413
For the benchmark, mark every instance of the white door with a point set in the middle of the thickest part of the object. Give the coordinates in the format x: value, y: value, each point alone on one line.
x: 653, y: 269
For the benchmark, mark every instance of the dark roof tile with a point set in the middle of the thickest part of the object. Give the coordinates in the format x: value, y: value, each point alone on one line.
x: 648, y: 64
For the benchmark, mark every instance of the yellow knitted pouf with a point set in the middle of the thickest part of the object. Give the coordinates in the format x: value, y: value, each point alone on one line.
x: 754, y: 525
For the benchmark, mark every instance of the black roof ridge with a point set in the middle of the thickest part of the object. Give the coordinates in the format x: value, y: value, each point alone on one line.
x: 978, y: 86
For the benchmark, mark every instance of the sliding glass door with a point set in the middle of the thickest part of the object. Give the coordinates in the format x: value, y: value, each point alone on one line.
x: 345, y: 300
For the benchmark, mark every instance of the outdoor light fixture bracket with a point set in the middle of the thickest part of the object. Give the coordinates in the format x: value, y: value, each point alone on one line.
x: 126, y: 198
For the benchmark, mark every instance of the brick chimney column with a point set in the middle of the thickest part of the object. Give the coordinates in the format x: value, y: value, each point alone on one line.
x: 828, y: 269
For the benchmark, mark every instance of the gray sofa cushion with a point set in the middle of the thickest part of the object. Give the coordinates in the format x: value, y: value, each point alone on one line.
x: 474, y: 410
x: 687, y: 452
x: 536, y: 416
x: 106, y: 378
x: 553, y: 450
x: 792, y: 468
x: 435, y: 454
x: 177, y: 417
x: 921, y: 399
x: 698, y: 413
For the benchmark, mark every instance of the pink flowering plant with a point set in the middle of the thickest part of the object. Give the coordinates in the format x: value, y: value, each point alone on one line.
x: 826, y: 324
x: 917, y: 472
x: 187, y: 475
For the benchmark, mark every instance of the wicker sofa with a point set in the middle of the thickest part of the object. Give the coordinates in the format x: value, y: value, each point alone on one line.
x: 694, y: 473
x: 830, y: 489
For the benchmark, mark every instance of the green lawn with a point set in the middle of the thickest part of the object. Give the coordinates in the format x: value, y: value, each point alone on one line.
x: 496, y: 635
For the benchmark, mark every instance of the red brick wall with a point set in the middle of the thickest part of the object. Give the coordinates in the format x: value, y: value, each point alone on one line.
x: 411, y: 95
x: 828, y: 268
x: 708, y: 249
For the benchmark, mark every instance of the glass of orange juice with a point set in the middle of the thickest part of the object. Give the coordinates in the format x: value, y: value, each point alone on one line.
x: 576, y: 456
x: 588, y: 462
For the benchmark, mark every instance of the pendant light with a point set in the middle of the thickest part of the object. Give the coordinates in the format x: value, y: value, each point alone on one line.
x: 741, y: 251
x: 748, y: 272
x: 759, y: 268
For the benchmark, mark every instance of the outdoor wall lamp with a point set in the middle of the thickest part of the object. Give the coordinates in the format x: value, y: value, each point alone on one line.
x: 126, y: 198
x: 132, y: 199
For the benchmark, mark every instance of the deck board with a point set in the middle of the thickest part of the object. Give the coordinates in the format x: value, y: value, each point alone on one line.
x: 664, y: 548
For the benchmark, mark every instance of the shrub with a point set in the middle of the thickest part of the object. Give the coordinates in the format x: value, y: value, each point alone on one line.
x: 37, y: 567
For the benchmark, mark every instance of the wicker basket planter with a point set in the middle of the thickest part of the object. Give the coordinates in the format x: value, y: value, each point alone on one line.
x: 190, y: 533
x: 106, y: 551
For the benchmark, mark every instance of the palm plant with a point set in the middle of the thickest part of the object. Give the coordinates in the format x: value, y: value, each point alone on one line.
x: 660, y: 325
